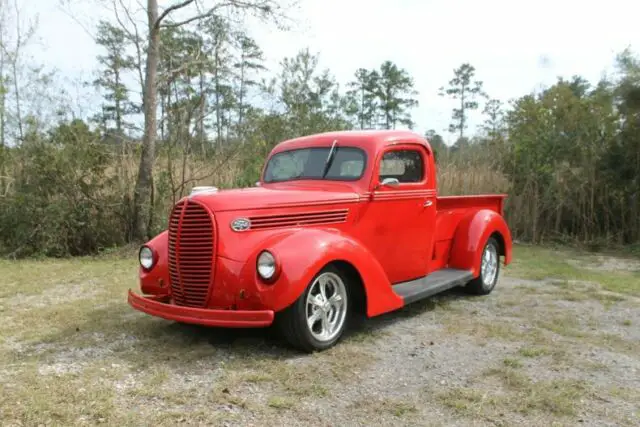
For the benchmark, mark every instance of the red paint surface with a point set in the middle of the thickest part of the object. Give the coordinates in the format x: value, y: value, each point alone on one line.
x: 388, y: 234
x: 158, y: 306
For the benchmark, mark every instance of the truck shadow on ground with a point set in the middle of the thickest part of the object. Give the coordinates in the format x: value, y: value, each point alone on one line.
x: 269, y: 339
x: 362, y: 325
x: 117, y: 332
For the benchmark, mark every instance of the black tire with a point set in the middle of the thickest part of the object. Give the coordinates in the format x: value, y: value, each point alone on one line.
x: 292, y: 321
x: 481, y: 285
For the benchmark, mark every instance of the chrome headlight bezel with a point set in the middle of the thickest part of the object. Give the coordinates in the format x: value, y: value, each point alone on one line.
x: 267, y: 266
x: 146, y: 258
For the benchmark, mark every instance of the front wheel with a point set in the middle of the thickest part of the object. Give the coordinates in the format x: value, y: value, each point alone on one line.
x: 489, y: 270
x: 317, y: 319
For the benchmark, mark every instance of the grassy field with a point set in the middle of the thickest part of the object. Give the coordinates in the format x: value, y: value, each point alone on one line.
x: 557, y: 343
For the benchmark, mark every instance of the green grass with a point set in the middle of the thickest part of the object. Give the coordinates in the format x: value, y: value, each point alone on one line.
x: 519, y: 394
x: 532, y: 352
x: 512, y: 363
x: 72, y: 352
x: 384, y: 407
x: 397, y: 408
x: 279, y: 402
x: 536, y: 263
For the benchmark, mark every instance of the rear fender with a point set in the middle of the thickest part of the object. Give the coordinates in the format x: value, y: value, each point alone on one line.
x: 472, y: 234
x: 304, y: 252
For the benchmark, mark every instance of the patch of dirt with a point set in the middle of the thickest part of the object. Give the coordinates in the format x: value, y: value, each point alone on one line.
x: 606, y: 263
x: 63, y: 293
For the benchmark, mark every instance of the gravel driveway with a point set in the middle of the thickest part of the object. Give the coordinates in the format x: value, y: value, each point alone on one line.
x: 534, y: 352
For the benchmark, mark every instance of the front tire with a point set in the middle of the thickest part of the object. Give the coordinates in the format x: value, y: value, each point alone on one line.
x: 489, y: 270
x: 318, y: 318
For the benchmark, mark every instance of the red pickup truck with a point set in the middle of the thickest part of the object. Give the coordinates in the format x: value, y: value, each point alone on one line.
x: 339, y: 223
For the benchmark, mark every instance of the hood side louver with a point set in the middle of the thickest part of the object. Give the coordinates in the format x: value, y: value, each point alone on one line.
x: 264, y: 222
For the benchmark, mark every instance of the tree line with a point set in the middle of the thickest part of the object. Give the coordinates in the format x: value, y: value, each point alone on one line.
x: 184, y: 101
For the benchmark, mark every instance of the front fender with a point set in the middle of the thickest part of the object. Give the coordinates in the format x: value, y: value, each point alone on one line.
x: 156, y: 281
x: 304, y: 252
x: 472, y: 234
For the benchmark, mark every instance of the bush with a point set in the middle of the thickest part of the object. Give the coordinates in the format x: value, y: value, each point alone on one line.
x: 62, y: 200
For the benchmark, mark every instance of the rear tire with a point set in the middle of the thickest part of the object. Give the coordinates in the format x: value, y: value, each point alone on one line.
x: 318, y: 318
x: 489, y: 270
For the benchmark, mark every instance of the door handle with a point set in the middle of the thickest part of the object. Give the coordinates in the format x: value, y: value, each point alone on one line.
x: 428, y: 203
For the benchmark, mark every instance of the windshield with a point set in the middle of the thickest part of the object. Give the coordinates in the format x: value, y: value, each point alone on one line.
x: 308, y: 163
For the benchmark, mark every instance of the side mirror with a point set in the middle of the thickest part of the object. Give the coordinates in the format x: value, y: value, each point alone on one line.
x: 390, y: 182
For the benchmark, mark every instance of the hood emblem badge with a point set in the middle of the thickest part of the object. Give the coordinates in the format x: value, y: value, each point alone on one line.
x: 240, y: 224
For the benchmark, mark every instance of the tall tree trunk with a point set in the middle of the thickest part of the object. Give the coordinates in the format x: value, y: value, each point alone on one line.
x: 2, y: 93
x: 216, y: 76
x: 239, y: 131
x: 16, y: 90
x: 362, y: 118
x: 118, y: 102
x: 2, y: 118
x: 143, y: 189
x: 202, y: 111
x: 462, y: 112
x: 387, y: 111
x: 119, y: 138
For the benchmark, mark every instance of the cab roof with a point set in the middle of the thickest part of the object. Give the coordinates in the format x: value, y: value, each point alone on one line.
x: 369, y: 140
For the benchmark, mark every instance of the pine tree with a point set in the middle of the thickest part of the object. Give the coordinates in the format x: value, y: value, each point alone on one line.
x: 396, y: 95
x: 493, y: 124
x: 463, y: 88
x: 250, y: 61
x: 362, y: 97
x: 115, y: 64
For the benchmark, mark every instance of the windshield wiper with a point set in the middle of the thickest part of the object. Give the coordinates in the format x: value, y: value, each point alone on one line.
x: 329, y: 159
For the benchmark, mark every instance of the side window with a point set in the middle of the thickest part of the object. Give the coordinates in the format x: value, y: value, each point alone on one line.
x: 404, y: 165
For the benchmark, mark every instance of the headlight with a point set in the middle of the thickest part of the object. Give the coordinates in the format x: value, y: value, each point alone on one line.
x: 146, y: 257
x: 266, y: 265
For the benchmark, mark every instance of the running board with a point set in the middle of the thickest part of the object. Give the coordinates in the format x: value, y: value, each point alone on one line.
x: 436, y: 282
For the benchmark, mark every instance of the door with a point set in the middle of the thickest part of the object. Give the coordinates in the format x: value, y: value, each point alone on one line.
x: 400, y: 215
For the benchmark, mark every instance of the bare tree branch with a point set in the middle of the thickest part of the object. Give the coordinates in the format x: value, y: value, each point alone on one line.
x: 263, y: 6
x: 135, y: 38
x: 170, y: 9
x: 170, y: 75
x: 77, y: 21
x: 186, y: 21
x: 117, y: 15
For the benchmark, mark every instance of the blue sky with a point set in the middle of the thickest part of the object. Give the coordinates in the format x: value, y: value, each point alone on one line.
x: 515, y: 46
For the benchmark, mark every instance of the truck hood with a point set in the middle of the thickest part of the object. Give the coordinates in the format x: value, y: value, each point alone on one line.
x: 264, y: 198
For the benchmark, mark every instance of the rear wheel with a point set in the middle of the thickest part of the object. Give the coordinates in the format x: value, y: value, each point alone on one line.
x: 317, y: 319
x: 489, y: 270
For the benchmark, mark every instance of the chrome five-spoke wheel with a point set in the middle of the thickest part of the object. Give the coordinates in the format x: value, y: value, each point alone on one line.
x: 489, y: 269
x: 317, y: 319
x: 489, y: 265
x: 325, y: 306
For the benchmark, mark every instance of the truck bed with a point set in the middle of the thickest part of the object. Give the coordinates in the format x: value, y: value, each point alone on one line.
x: 494, y: 202
x: 450, y: 211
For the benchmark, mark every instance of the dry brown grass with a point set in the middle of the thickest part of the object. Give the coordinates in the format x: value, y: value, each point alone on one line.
x: 225, y: 170
x: 517, y: 393
x: 456, y: 179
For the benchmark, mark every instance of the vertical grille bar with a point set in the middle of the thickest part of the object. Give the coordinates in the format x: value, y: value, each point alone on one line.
x: 191, y: 253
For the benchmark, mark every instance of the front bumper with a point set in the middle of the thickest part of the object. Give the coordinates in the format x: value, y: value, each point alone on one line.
x: 158, y: 306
